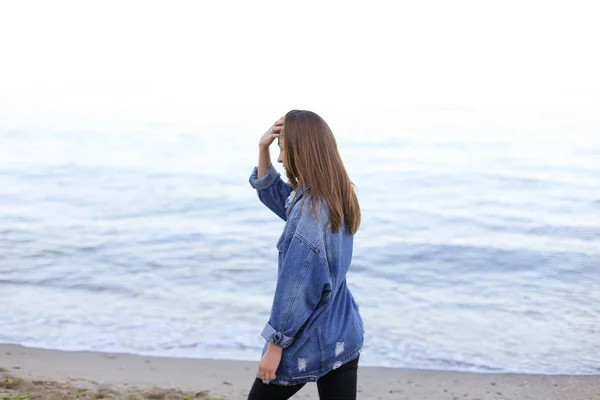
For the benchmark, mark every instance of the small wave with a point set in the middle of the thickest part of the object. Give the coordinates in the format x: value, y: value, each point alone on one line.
x: 63, y: 252
x: 196, y: 237
x: 46, y: 253
x: 11, y: 233
x: 583, y: 233
x: 479, y: 258
x: 89, y: 287
x: 456, y: 365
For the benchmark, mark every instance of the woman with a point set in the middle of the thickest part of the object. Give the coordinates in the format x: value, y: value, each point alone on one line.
x: 315, y: 331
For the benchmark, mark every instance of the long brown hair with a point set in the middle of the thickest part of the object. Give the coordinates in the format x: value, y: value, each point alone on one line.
x: 312, y: 160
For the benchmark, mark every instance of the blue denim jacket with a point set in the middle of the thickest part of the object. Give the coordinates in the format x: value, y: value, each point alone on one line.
x: 314, y: 316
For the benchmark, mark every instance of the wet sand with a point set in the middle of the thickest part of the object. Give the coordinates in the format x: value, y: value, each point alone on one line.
x: 50, y: 374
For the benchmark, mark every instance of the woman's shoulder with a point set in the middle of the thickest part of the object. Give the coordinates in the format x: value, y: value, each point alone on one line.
x: 309, y: 223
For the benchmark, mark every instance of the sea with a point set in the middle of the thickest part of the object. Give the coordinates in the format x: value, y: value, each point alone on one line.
x: 479, y: 248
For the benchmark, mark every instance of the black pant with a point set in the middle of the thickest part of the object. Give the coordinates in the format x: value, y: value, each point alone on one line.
x: 339, y: 384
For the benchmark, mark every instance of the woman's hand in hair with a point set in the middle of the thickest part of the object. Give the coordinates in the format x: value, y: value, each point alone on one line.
x: 271, y: 134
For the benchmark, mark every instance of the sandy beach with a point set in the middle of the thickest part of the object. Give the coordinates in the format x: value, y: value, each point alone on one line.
x: 53, y: 374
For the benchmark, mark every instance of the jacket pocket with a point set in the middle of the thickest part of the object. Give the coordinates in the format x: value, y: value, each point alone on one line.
x: 307, y: 357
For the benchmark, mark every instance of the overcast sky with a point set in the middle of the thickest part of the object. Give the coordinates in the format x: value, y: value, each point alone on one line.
x: 73, y: 64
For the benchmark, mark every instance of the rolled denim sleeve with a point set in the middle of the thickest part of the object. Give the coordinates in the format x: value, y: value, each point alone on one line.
x: 302, y: 280
x: 272, y: 190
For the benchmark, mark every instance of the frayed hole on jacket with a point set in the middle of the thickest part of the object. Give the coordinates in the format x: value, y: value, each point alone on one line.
x: 339, y: 348
x: 301, y: 365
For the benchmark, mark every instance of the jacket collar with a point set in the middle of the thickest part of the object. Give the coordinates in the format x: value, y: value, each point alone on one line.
x: 294, y: 196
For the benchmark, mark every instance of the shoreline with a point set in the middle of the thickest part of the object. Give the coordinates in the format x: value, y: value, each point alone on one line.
x: 126, y: 376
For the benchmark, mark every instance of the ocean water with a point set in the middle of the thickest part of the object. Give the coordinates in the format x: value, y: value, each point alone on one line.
x: 478, y: 253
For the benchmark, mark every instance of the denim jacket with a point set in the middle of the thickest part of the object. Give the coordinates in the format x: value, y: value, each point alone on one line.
x: 314, y: 316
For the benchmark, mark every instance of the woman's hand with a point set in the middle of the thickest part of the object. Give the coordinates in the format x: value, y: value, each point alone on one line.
x: 272, y: 134
x: 269, y: 363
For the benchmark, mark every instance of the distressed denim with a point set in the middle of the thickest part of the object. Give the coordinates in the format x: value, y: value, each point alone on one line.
x: 314, y: 316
